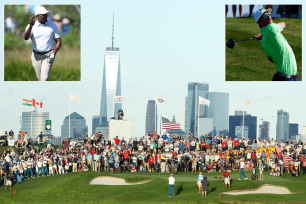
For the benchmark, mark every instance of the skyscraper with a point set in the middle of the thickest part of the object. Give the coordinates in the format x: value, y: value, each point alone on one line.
x: 151, y: 126
x: 78, y: 126
x: 192, y: 113
x: 282, y: 125
x: 111, y: 83
x: 264, y: 130
x: 218, y: 110
x: 38, y: 123
x: 95, y: 123
x: 293, y: 129
x: 235, y: 125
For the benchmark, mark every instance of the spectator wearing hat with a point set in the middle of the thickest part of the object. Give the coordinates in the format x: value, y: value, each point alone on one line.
x: 42, y: 33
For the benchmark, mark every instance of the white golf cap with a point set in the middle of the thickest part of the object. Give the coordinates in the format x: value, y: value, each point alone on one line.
x: 41, y: 10
x: 261, y: 11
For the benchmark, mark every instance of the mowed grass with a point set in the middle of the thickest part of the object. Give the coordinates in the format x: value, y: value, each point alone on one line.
x: 248, y: 61
x: 74, y: 188
x: 18, y: 65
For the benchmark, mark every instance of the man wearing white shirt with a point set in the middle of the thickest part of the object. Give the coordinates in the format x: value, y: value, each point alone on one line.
x: 242, y: 164
x: 42, y: 34
x: 171, y: 185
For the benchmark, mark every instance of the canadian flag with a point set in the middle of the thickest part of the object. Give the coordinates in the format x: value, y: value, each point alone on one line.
x: 36, y: 104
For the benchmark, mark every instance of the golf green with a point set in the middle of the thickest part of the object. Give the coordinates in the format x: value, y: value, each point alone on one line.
x: 74, y: 188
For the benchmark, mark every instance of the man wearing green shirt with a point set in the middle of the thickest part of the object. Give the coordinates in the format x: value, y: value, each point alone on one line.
x: 276, y: 46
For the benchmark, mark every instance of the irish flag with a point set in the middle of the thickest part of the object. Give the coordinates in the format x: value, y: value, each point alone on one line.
x: 26, y: 102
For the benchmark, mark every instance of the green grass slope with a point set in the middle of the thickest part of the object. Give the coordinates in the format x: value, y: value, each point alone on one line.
x: 248, y: 61
x: 74, y: 188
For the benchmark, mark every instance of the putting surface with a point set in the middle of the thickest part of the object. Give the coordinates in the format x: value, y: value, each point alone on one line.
x: 74, y: 188
x: 247, y: 61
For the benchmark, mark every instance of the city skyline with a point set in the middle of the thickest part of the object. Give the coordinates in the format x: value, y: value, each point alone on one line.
x: 148, y: 68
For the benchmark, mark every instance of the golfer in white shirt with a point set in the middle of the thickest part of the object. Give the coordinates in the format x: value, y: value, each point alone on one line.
x: 42, y: 33
x: 242, y: 164
x: 171, y: 185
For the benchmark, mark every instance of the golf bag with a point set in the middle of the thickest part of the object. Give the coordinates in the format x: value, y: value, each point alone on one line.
x: 254, y: 175
x: 156, y: 167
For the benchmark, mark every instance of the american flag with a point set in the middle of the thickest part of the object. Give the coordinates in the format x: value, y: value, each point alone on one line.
x: 167, y: 124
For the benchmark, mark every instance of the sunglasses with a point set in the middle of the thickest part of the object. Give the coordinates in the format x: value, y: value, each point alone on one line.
x: 266, y: 15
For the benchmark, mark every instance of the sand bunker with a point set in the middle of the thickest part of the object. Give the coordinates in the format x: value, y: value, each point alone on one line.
x: 263, y: 189
x: 107, y: 180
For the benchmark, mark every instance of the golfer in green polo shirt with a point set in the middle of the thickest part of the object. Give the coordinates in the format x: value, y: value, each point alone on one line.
x: 276, y: 46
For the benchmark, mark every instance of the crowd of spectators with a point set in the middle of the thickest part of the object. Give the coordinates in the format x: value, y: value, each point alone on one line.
x: 154, y: 153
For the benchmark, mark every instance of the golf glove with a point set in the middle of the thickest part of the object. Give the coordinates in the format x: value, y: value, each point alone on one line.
x: 51, y: 58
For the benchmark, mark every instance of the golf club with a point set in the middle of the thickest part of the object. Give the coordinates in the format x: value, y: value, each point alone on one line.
x: 231, y: 42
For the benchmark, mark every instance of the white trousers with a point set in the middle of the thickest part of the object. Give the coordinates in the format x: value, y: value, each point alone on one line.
x: 41, y: 65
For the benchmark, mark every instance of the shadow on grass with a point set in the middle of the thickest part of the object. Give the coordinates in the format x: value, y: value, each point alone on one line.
x: 179, y: 190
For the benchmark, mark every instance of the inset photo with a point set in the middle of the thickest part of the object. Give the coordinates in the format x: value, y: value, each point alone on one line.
x: 263, y: 42
x: 42, y: 42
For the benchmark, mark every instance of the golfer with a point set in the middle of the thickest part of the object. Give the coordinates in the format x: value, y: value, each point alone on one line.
x: 276, y: 46
x: 171, y: 185
x: 199, y: 181
x: 242, y: 164
x: 226, y: 179
x: 42, y: 33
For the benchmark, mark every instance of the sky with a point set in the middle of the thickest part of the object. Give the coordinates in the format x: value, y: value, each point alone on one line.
x: 163, y: 46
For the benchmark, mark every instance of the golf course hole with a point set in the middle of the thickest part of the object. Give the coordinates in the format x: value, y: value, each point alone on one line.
x: 108, y: 180
x: 266, y: 188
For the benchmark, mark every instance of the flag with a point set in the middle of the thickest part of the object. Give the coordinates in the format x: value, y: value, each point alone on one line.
x: 204, y: 101
x: 75, y: 98
x: 26, y: 102
x: 118, y: 99
x: 36, y: 104
x: 167, y: 124
x: 246, y: 102
x: 159, y: 100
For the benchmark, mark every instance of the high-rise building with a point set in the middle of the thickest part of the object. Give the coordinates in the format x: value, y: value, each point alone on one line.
x: 282, y: 125
x: 151, y: 126
x: 235, y: 125
x: 218, y: 110
x: 78, y: 126
x: 293, y: 129
x: 111, y: 84
x: 36, y: 120
x: 264, y: 130
x: 193, y: 110
x: 95, y: 123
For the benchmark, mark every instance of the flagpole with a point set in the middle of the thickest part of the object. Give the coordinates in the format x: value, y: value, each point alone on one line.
x: 155, y: 128
x: 31, y: 121
x: 69, y: 114
x: 160, y: 124
x: 114, y: 106
x: 243, y: 119
x: 198, y: 119
x: 21, y: 116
